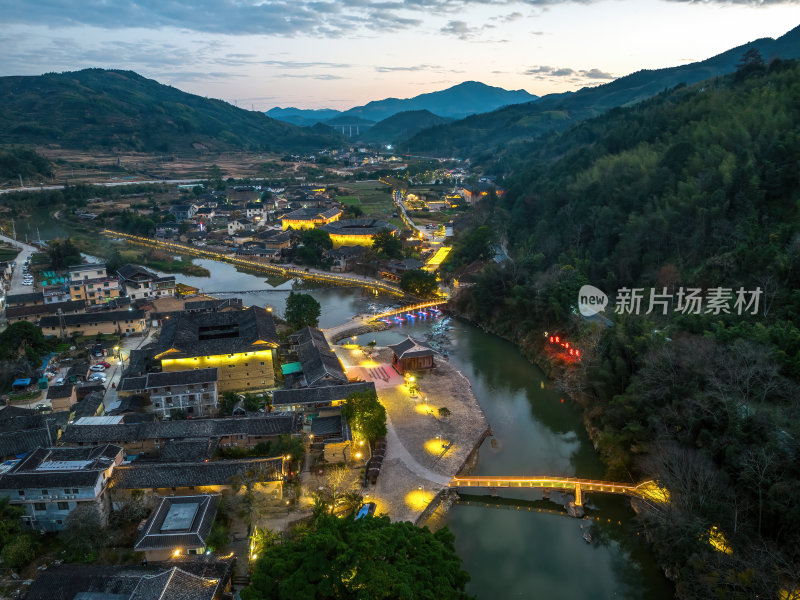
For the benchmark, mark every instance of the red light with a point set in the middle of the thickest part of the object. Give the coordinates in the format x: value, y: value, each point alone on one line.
x: 557, y: 340
x: 570, y: 351
x: 577, y: 352
x: 562, y: 401
x: 551, y: 339
x: 567, y: 346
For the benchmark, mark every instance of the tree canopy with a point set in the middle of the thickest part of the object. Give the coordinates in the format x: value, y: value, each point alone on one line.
x: 302, y: 310
x: 63, y: 253
x: 315, y: 243
x: 366, y: 415
x: 420, y: 283
x: 386, y: 244
x: 368, y: 559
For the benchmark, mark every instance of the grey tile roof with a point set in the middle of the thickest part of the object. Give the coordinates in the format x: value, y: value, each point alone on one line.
x: 364, y: 227
x: 71, y: 306
x: 271, y: 424
x: 219, y: 472
x: 410, y: 348
x: 14, y: 299
x: 135, y: 272
x: 60, y: 391
x: 95, y: 317
x: 318, y: 360
x: 194, y: 376
x: 41, y: 468
x: 189, y: 450
x: 215, y: 333
x: 89, y: 405
x: 319, y: 395
x: 132, y: 384
x: 212, y: 305
x: 182, y: 578
x: 190, y: 534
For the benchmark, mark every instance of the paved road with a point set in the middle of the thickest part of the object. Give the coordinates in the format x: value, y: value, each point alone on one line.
x: 16, y: 279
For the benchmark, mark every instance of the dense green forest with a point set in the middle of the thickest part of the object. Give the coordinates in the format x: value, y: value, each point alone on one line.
x: 120, y: 110
x: 696, y: 188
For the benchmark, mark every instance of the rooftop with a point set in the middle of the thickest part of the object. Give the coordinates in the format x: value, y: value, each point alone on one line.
x: 97, y: 317
x: 318, y: 360
x: 319, y: 395
x: 169, y: 475
x: 309, y: 214
x: 179, y: 522
x: 410, y: 348
x: 364, y: 227
x: 61, y: 467
x: 215, y: 333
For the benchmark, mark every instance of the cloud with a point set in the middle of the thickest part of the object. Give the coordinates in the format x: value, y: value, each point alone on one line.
x: 544, y: 72
x: 318, y: 76
x: 464, y: 31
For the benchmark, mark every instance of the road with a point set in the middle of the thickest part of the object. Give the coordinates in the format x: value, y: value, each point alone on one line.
x: 16, y: 278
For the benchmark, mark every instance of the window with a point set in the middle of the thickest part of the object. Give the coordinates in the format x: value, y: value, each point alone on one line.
x: 21, y: 492
x: 45, y: 492
x: 67, y: 492
x: 40, y: 506
x: 63, y: 506
x: 59, y: 522
x: 75, y: 490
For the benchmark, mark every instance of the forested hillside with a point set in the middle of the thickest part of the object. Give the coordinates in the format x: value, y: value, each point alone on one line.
x: 696, y: 188
x: 485, y: 136
x: 120, y: 110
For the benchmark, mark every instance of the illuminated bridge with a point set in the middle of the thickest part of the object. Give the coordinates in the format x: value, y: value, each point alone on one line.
x: 648, y: 490
x: 406, y: 309
x: 288, y: 272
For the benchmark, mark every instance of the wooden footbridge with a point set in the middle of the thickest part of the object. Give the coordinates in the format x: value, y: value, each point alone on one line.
x: 648, y: 490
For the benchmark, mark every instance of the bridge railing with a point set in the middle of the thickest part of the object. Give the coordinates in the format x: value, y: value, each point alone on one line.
x: 406, y: 309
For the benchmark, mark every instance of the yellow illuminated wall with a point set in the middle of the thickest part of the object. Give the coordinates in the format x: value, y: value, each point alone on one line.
x: 246, y: 371
x: 351, y: 240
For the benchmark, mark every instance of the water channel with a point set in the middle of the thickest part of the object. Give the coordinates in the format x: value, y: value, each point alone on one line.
x: 509, y: 553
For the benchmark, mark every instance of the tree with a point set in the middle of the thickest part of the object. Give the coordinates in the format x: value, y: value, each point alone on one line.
x: 444, y: 412
x: 63, y: 253
x: 83, y: 532
x: 370, y: 558
x: 366, y: 415
x: 302, y: 310
x: 315, y: 243
x: 19, y: 551
x: 386, y: 244
x: 419, y: 283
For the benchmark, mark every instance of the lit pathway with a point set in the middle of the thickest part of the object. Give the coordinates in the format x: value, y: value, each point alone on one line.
x: 396, y: 449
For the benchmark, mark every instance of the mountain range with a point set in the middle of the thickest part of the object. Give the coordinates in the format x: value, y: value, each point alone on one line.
x: 456, y: 102
x: 520, y: 122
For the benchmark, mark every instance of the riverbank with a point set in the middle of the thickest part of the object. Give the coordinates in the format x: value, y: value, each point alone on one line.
x: 425, y: 448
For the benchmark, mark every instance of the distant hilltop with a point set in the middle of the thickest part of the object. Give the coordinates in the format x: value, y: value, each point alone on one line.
x: 456, y: 102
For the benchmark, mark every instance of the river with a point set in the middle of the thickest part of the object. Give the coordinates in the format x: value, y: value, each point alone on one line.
x: 508, y: 553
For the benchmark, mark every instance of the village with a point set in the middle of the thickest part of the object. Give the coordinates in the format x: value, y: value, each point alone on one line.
x: 191, y: 428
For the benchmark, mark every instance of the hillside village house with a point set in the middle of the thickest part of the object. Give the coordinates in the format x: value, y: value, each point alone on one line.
x: 183, y: 212
x: 180, y: 525
x: 320, y: 365
x: 241, y: 344
x: 309, y: 218
x: 91, y: 283
x: 151, y: 436
x: 412, y: 355
x: 62, y: 397
x: 106, y: 322
x: 140, y: 284
x: 49, y: 483
x: 192, y: 392
x: 239, y: 225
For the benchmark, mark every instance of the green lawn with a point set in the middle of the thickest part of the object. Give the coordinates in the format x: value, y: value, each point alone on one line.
x: 7, y: 253
x: 348, y: 200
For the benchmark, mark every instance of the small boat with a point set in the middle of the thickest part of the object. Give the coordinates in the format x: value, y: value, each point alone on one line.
x: 587, y: 537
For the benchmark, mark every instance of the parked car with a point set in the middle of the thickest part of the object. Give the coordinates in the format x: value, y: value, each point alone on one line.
x: 60, y: 381
x: 99, y: 368
x: 97, y: 377
x: 105, y: 364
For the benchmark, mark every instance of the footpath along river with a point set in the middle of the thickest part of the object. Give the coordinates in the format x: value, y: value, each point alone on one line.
x: 509, y: 553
